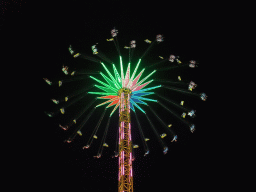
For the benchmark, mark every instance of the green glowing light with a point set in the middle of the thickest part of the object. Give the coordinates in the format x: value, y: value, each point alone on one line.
x: 102, y: 93
x: 111, y: 83
x: 113, y: 79
x: 104, y: 88
x: 122, y: 70
x: 118, y: 78
x: 103, y: 83
x: 121, y: 80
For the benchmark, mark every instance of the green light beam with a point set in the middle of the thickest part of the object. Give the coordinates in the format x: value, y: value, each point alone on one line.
x: 111, y: 83
x: 103, y: 83
x: 107, y: 90
x: 102, y: 93
x: 122, y: 70
x: 110, y: 75
x: 118, y: 78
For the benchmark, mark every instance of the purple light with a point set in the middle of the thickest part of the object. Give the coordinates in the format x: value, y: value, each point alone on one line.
x: 120, y: 135
x: 129, y: 102
x: 119, y: 166
x: 127, y: 78
x: 136, y: 88
x: 122, y: 101
x: 122, y: 162
x: 136, y: 79
x: 122, y: 129
x: 130, y: 132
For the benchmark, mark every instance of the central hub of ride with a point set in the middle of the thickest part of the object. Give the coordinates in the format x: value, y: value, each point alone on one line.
x: 124, y: 90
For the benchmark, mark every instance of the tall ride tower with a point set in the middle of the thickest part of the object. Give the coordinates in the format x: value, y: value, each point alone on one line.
x: 125, y: 175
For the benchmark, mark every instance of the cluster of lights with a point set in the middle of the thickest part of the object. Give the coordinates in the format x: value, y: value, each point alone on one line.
x: 114, y: 84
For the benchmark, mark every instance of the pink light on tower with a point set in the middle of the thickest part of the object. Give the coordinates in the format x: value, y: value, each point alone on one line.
x: 125, y: 143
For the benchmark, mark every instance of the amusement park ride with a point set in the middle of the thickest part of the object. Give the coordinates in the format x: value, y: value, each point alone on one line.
x: 126, y: 92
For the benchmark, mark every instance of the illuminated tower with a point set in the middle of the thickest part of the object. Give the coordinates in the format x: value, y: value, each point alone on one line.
x: 126, y: 93
x: 125, y: 177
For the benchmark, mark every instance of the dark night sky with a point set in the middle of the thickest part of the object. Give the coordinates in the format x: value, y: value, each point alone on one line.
x: 191, y: 162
